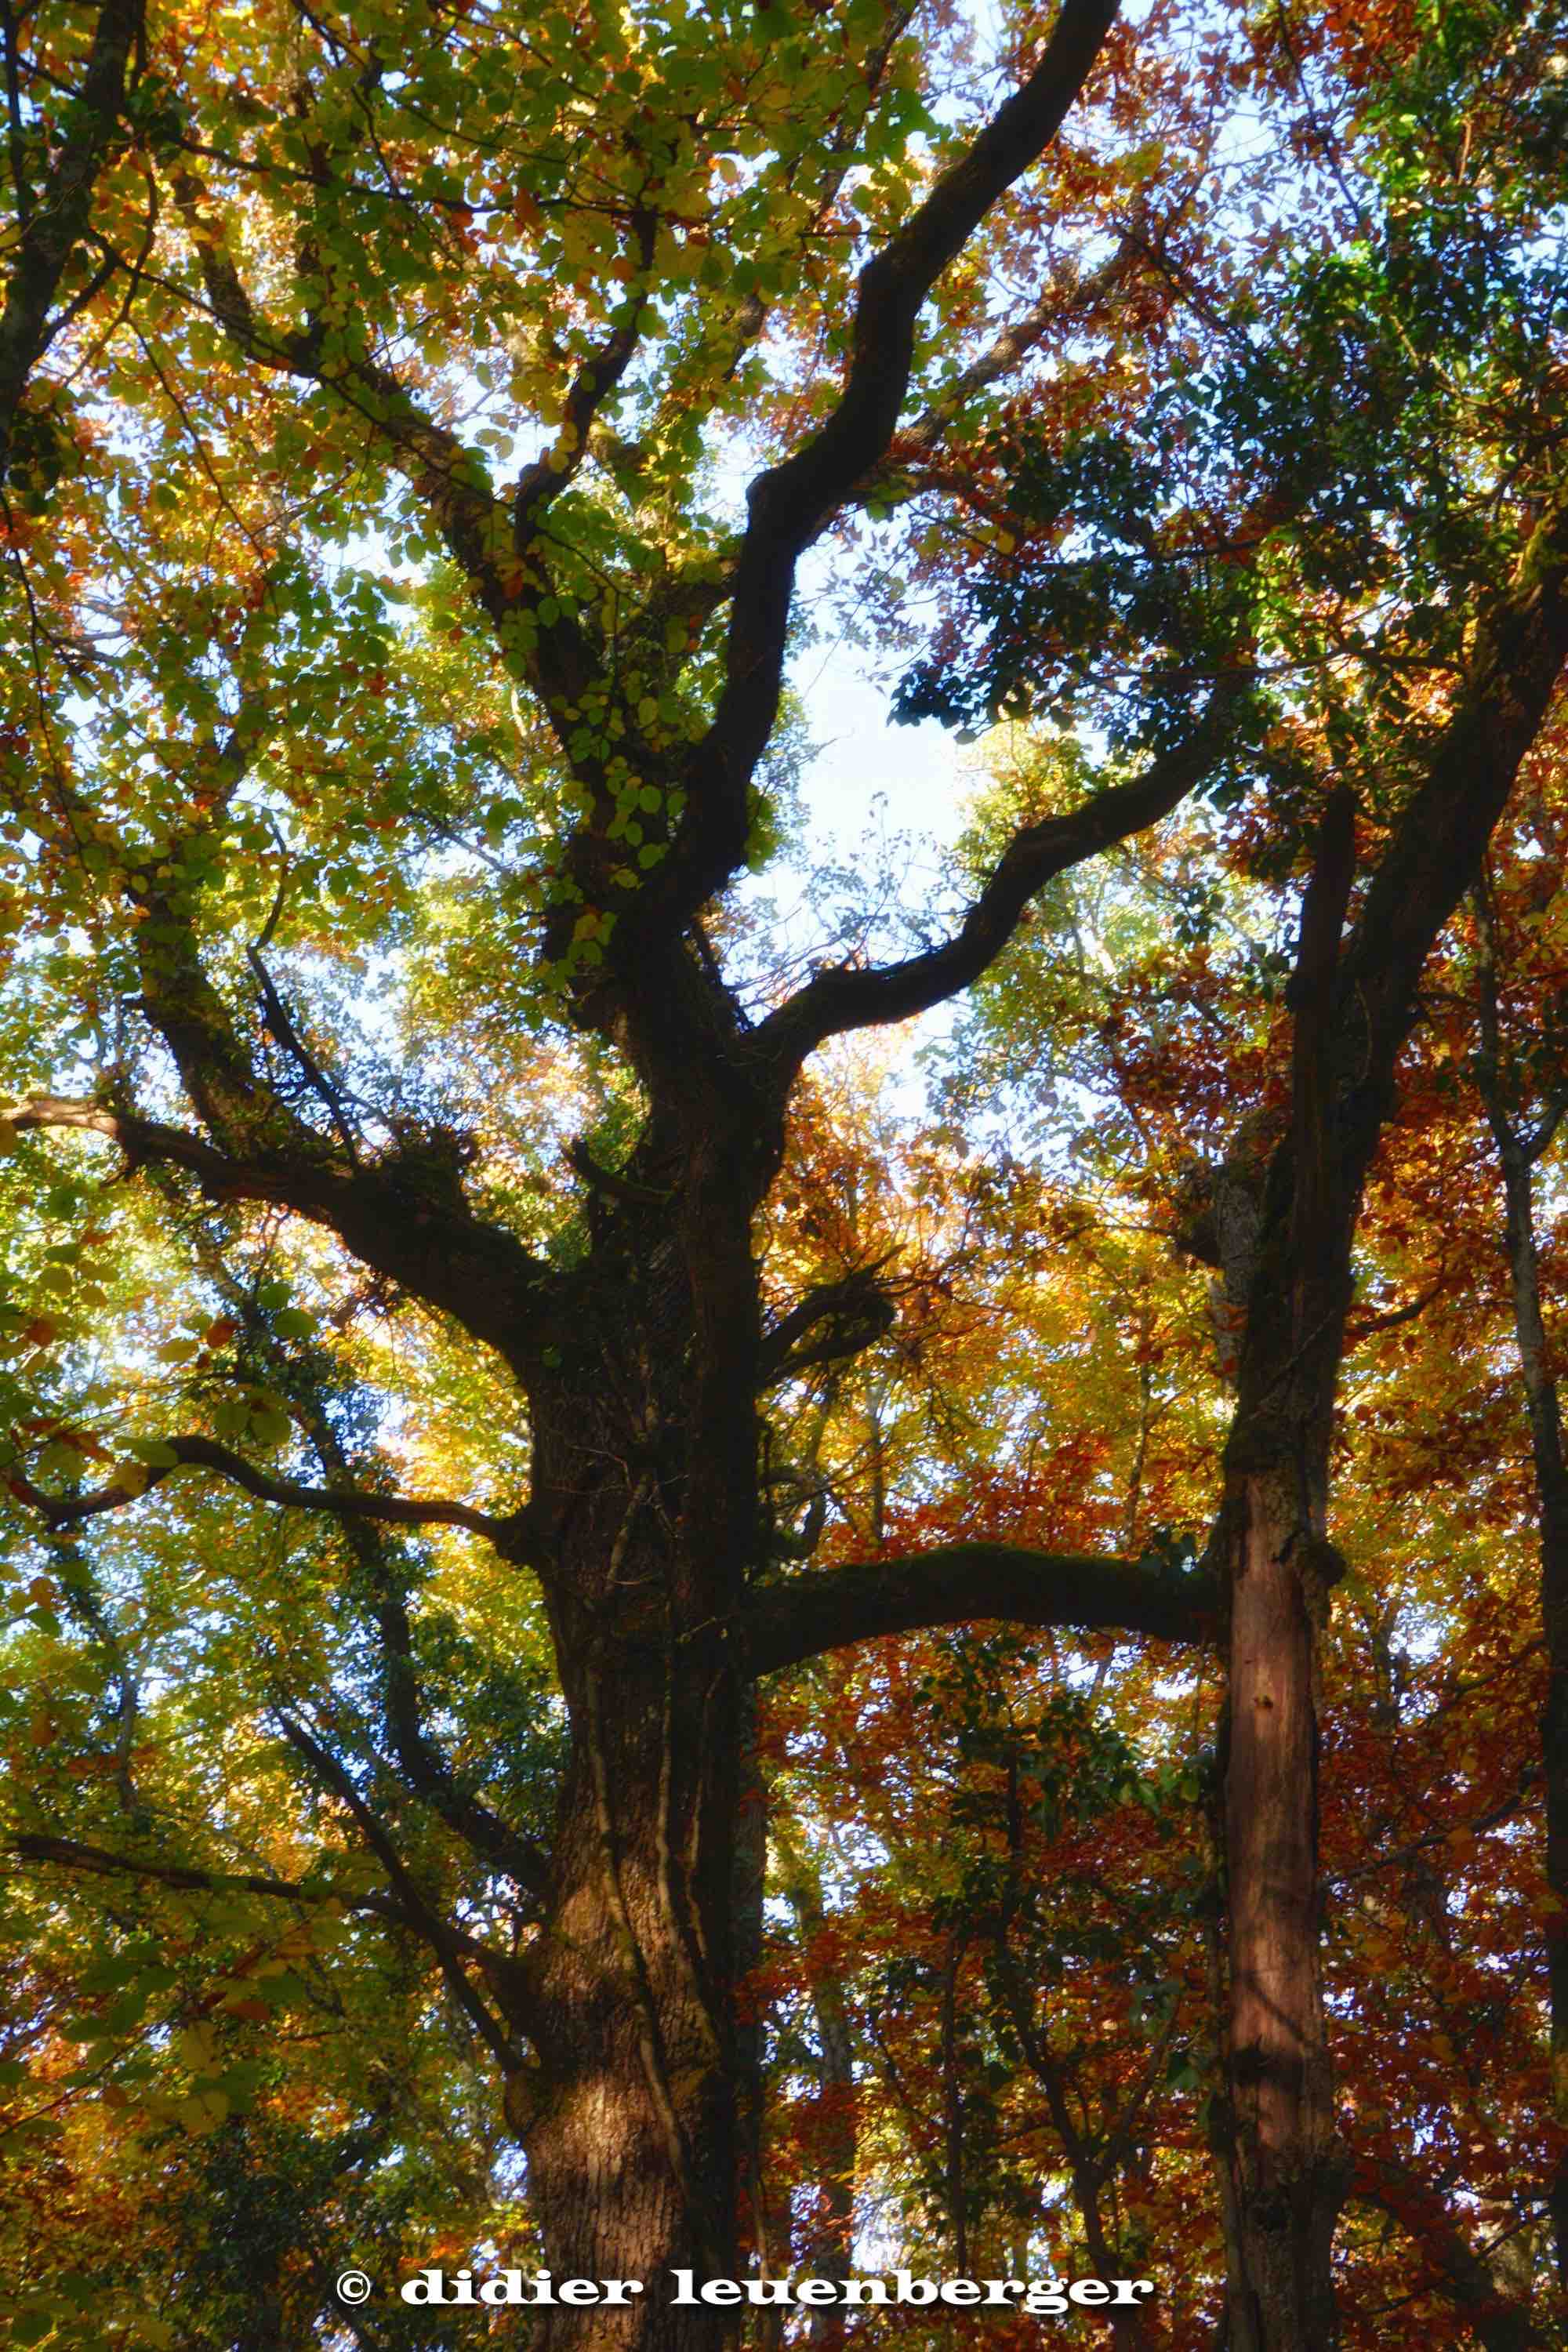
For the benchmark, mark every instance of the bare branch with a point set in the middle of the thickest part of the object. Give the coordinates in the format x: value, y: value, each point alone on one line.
x: 788, y: 503
x: 845, y: 996
x: 196, y: 1453
x: 966, y: 1583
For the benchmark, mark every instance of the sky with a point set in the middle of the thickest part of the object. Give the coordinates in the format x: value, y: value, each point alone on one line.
x: 865, y: 759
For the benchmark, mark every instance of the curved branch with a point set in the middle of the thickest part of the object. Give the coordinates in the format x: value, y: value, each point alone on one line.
x: 963, y: 1583
x: 405, y: 1214
x: 858, y: 1310
x: 788, y: 503
x: 845, y: 996
x: 205, y: 1453
x: 1516, y: 674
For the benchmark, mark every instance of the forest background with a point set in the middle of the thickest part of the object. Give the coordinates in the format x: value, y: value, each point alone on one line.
x: 653, y: 1618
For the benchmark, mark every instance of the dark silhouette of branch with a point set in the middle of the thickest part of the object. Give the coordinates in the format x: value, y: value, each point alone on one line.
x: 788, y: 503
x: 966, y: 1583
x: 196, y: 1453
x: 846, y: 996
x: 54, y: 216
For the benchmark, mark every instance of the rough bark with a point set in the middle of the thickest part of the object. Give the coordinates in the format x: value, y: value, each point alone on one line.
x: 630, y: 2120
x: 1288, y: 2169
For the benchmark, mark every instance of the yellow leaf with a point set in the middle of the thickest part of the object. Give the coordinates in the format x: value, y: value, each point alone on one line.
x: 203, y: 2112
x: 196, y: 2047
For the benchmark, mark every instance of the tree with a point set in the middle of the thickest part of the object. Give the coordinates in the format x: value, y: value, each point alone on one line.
x: 313, y: 705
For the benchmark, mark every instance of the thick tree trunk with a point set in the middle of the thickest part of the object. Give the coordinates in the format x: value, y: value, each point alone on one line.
x: 632, y: 2145
x: 646, y: 1471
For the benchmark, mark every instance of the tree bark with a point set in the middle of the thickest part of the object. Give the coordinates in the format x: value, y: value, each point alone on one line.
x: 632, y: 2140
x: 1288, y: 2173
x: 645, y: 1487
x: 1292, y: 1265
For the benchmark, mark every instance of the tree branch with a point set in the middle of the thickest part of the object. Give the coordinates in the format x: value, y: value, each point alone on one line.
x: 540, y: 482
x: 842, y: 996
x: 964, y: 1583
x: 403, y: 1214
x: 54, y: 220
x: 196, y: 1453
x: 788, y: 503
x: 421, y: 1761
x: 858, y: 1309
x: 433, y: 461
x: 1463, y: 2276
x: 1059, y: 302
x: 1514, y: 676
x: 448, y: 1944
x: 72, y: 1854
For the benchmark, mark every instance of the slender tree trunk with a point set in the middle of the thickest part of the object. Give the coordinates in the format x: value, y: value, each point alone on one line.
x: 1288, y: 2171
x: 829, y: 2253
x: 1543, y: 1408
x: 1287, y: 2177
x: 1551, y: 1493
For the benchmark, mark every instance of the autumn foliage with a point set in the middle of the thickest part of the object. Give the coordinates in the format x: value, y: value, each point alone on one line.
x: 723, y: 1549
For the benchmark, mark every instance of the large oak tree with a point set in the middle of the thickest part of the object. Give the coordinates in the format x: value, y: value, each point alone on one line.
x: 306, y: 704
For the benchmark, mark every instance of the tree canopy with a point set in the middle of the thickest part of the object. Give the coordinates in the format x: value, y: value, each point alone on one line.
x: 658, y: 1613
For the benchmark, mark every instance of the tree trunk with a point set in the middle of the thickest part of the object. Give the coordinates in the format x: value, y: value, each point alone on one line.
x: 1288, y: 2180
x: 1543, y: 1407
x: 632, y: 2147
x: 1552, y: 1500
x: 646, y: 1462
x: 829, y: 2250
x: 1288, y: 2171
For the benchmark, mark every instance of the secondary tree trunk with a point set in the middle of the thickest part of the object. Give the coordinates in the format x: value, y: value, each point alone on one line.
x: 1288, y: 2174
x: 1543, y: 1407
x: 1287, y: 2178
